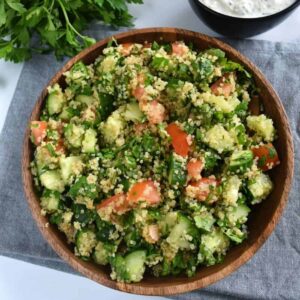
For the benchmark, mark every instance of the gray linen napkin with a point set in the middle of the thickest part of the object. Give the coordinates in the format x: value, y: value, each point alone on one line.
x: 273, y: 273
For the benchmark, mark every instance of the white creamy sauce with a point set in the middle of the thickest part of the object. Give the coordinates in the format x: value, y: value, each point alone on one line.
x: 247, y: 8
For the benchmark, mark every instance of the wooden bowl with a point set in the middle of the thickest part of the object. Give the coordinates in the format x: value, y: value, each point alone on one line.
x: 261, y: 221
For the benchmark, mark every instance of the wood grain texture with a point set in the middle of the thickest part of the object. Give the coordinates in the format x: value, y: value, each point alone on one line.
x: 263, y: 218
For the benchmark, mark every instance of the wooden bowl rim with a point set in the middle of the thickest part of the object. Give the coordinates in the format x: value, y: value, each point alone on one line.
x: 170, y: 288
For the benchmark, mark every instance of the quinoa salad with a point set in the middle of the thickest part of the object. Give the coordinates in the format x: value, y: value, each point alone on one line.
x: 150, y: 159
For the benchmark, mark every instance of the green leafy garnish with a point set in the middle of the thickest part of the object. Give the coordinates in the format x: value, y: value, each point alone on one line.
x: 57, y: 24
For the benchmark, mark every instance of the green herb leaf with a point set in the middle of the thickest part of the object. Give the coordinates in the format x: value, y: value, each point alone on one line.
x: 5, y: 49
x: 16, y: 5
x: 216, y: 52
x: 58, y: 25
x: 272, y: 152
x: 262, y: 161
x: 2, y: 13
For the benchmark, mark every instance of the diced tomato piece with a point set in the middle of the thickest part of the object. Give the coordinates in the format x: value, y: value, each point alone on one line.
x: 180, y: 140
x: 254, y: 106
x: 202, y: 188
x: 126, y: 49
x: 138, y: 92
x: 194, y: 168
x: 116, y: 204
x: 38, y: 131
x: 155, y: 112
x: 221, y: 87
x: 143, y: 192
x: 267, y: 156
x: 179, y: 48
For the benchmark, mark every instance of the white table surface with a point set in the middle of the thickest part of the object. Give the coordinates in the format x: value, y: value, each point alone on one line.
x: 20, y: 280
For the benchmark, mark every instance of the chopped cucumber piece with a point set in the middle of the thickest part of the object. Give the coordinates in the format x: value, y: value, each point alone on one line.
x: 101, y: 255
x: 65, y: 115
x: 260, y: 187
x: 85, y: 242
x: 43, y: 160
x: 232, y: 216
x: 84, y: 99
x: 263, y: 127
x: 103, y: 252
x: 235, y: 234
x: 238, y: 215
x: 56, y: 100
x: 231, y: 190
x: 113, y: 126
x: 131, y: 268
x: 213, y: 247
x: 219, y: 139
x: 50, y: 200
x: 240, y: 161
x: 133, y: 112
x: 182, y: 234
x: 74, y: 135
x: 70, y: 166
x: 52, y: 181
x: 55, y: 103
x: 204, y: 221
x: 135, y: 264
x: 89, y: 142
x: 168, y: 222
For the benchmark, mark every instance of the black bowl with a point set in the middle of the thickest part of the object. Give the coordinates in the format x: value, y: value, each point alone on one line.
x: 239, y: 27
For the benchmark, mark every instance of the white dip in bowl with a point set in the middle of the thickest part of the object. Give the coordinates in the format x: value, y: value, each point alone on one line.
x: 247, y: 8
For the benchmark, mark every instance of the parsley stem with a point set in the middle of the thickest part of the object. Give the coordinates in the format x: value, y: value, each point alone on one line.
x: 67, y: 19
x: 51, y: 6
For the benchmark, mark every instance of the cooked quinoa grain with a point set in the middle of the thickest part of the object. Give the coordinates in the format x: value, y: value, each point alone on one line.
x: 149, y: 158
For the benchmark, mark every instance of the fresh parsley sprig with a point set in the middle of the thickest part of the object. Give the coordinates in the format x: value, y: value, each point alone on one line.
x: 54, y: 25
